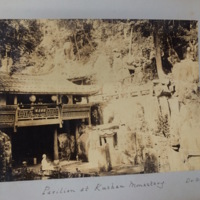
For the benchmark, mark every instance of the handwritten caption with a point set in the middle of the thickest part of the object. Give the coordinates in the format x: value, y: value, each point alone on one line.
x: 192, y: 180
x: 100, y: 187
x: 49, y: 190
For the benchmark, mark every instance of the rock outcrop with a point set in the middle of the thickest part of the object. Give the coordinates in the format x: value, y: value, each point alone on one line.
x: 5, y: 157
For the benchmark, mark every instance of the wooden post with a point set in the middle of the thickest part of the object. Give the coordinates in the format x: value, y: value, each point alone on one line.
x: 16, y: 114
x: 70, y: 99
x: 59, y: 107
x: 59, y: 99
x: 89, y: 118
x: 2, y: 100
x: 15, y: 100
x: 56, y: 144
x: 77, y: 135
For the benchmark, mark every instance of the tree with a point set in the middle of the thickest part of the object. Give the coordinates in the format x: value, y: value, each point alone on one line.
x: 18, y: 37
x: 81, y: 37
x: 157, y: 31
x: 171, y: 37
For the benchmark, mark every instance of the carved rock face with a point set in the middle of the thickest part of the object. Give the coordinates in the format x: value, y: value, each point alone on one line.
x: 67, y: 145
x: 83, y: 146
x: 5, y: 157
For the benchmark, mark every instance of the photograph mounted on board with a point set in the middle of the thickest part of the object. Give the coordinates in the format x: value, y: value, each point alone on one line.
x: 90, y: 98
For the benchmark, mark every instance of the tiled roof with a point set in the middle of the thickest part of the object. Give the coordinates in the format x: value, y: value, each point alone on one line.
x: 44, y: 84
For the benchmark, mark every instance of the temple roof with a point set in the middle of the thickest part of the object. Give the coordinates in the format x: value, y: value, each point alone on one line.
x: 44, y: 84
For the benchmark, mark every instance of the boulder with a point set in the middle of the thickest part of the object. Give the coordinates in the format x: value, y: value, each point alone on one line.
x: 104, y: 159
x: 83, y: 144
x: 151, y: 162
x: 66, y: 145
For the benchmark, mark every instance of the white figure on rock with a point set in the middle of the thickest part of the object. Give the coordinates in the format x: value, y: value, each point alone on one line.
x: 45, y: 165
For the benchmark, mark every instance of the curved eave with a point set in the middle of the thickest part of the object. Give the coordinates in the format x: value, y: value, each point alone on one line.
x: 48, y: 93
x: 43, y: 85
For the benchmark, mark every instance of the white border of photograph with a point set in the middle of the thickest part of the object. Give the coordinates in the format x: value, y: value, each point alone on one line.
x: 163, y: 186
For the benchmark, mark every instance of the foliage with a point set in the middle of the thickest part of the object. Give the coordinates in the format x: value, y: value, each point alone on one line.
x: 176, y: 34
x: 153, y: 45
x: 163, y: 125
x: 18, y: 37
x: 171, y: 39
x: 81, y: 37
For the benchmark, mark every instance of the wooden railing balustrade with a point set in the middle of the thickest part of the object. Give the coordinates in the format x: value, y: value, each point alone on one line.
x: 41, y: 114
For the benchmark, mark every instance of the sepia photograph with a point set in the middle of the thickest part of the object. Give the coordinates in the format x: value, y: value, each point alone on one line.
x: 98, y: 97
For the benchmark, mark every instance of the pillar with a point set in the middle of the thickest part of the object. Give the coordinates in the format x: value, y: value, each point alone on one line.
x: 89, y: 118
x: 15, y: 100
x: 56, y: 157
x: 2, y: 100
x: 70, y: 99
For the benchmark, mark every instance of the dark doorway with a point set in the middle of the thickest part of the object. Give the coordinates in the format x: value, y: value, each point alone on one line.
x: 32, y: 142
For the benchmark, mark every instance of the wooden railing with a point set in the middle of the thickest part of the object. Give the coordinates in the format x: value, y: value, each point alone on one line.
x: 134, y: 92
x: 44, y: 114
x: 77, y: 111
x: 36, y: 113
x: 7, y: 116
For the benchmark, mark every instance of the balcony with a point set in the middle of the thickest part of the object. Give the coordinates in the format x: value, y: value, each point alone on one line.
x: 75, y: 111
x: 37, y: 115
x: 7, y: 116
x: 41, y: 114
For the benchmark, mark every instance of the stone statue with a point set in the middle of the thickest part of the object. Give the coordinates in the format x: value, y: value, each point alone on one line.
x: 45, y: 165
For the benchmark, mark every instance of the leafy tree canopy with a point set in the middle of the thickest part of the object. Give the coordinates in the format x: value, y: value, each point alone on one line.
x: 18, y: 37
